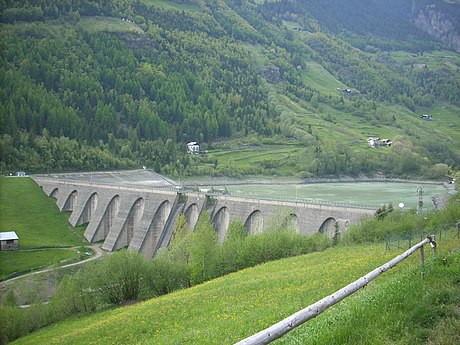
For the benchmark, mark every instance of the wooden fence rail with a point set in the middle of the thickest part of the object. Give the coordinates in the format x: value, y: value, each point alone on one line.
x: 279, y: 329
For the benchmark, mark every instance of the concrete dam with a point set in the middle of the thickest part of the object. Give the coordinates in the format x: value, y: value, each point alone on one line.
x: 138, y: 209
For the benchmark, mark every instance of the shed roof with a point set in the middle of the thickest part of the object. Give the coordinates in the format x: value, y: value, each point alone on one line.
x: 9, y: 235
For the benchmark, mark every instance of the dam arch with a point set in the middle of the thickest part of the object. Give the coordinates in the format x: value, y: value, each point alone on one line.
x: 254, y: 223
x: 291, y: 222
x: 108, y: 218
x: 54, y: 193
x: 71, y: 201
x: 153, y: 236
x: 191, y: 214
x: 327, y: 228
x: 88, y: 209
x: 133, y: 220
x: 221, y: 222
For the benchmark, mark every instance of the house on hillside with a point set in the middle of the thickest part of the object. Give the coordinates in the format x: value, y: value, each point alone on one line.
x: 386, y: 142
x: 426, y: 117
x: 9, y: 241
x: 375, y: 141
x: 193, y: 148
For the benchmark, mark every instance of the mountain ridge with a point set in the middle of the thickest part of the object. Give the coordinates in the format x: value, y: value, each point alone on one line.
x: 123, y: 80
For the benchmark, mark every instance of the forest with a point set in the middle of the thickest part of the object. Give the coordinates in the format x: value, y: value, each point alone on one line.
x: 78, y: 97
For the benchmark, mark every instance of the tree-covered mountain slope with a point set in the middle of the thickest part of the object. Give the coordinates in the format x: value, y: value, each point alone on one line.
x: 92, y: 84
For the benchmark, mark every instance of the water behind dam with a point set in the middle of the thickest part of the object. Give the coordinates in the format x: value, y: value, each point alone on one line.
x: 358, y: 193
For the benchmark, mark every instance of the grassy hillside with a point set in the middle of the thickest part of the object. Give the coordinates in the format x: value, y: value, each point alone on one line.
x: 230, y: 308
x: 25, y: 209
x: 34, y: 216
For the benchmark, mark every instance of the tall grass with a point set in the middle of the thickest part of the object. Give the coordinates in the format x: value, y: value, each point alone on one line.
x: 406, y: 309
x: 223, y: 310
x: 230, y: 308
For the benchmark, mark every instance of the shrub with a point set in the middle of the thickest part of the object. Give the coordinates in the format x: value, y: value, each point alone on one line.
x: 166, y: 275
x: 14, y: 323
x: 203, y: 251
x: 73, y: 297
x: 401, y: 224
x: 118, y: 278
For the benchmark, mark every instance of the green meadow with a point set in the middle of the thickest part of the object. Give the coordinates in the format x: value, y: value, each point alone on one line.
x: 230, y: 308
x: 318, y: 77
x: 107, y: 24
x: 26, y: 260
x: 173, y: 5
x: 35, y: 218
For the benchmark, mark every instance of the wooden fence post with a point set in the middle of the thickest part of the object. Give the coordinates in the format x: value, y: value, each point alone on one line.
x: 422, y: 261
x: 279, y: 329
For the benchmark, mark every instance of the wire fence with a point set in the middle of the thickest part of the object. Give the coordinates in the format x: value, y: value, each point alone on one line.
x: 446, y: 232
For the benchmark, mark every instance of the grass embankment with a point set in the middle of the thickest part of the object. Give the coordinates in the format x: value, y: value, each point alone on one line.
x: 25, y: 209
x: 23, y: 261
x: 230, y: 308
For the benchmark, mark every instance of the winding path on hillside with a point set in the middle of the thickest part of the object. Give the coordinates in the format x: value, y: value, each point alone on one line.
x: 95, y: 247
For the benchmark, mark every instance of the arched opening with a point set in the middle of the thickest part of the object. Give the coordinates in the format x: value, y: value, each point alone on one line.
x: 88, y: 209
x: 71, y: 201
x: 134, y: 218
x: 328, y: 227
x: 191, y: 215
x: 54, y: 193
x: 255, y: 223
x: 221, y: 221
x: 157, y: 227
x: 291, y: 222
x: 110, y: 215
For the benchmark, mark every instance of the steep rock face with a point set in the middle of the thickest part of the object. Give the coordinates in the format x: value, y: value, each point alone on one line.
x: 438, y: 24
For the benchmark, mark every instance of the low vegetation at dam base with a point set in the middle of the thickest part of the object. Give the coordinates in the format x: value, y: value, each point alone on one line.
x: 400, y: 307
x: 193, y: 258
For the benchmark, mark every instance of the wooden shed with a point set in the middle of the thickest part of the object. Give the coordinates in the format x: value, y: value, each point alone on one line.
x: 9, y: 240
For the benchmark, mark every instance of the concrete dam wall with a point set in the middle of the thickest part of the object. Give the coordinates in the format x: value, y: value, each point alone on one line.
x: 142, y: 217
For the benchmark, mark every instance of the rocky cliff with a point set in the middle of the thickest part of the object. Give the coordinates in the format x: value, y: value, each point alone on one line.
x: 439, y: 20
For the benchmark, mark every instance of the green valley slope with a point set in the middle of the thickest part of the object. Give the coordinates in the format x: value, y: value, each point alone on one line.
x: 230, y: 308
x: 45, y: 235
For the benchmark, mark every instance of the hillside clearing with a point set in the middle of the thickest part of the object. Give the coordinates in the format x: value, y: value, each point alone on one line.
x: 109, y: 24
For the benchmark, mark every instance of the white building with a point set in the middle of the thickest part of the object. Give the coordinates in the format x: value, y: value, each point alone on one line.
x: 193, y: 148
x: 374, y: 142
